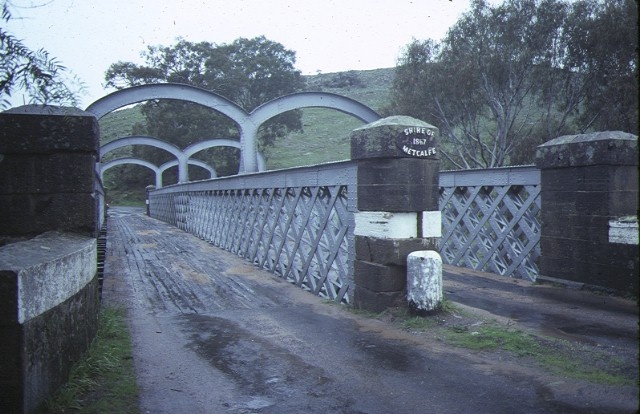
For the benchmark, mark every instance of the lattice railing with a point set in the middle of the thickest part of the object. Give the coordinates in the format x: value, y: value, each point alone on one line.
x: 298, y: 223
x: 303, y: 233
x: 490, y: 220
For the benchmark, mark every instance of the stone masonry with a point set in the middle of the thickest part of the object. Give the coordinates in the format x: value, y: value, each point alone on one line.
x: 590, y: 183
x: 49, y: 219
x: 397, y: 203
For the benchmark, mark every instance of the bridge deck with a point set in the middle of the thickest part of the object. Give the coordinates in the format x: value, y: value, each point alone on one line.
x: 213, y: 334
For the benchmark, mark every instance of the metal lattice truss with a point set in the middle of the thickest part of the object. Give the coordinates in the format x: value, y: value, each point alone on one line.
x: 492, y: 223
x: 299, y: 233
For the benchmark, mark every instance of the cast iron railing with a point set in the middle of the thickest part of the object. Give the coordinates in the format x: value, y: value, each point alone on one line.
x: 297, y: 223
x: 491, y: 220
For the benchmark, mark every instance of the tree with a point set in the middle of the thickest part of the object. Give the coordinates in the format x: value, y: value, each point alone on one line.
x: 603, y: 44
x: 507, y: 78
x: 35, y: 73
x: 249, y: 72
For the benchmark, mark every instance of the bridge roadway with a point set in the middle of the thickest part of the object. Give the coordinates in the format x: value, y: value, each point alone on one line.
x: 213, y: 334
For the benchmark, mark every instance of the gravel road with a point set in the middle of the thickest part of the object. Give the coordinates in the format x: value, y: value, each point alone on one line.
x: 213, y: 334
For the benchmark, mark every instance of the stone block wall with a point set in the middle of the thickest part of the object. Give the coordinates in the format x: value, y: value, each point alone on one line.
x: 49, y: 221
x: 397, y: 206
x: 47, y: 171
x: 48, y: 315
x: 589, y: 182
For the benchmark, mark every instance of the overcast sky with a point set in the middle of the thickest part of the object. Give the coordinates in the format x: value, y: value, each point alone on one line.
x: 327, y: 35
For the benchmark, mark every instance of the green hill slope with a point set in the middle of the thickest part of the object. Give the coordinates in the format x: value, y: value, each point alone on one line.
x: 326, y: 132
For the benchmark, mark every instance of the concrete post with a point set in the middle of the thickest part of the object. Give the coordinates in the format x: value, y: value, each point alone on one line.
x: 397, y: 206
x: 424, y: 282
x: 589, y: 194
x: 147, y: 190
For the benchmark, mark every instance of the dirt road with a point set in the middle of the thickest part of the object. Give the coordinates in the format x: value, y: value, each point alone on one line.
x: 213, y: 334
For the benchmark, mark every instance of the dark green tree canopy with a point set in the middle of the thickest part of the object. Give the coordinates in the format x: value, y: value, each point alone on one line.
x: 249, y: 72
x: 509, y: 77
x: 36, y: 74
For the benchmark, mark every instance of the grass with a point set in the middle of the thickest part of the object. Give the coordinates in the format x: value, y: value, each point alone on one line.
x: 493, y: 337
x: 461, y: 328
x: 560, y: 357
x: 326, y: 132
x: 118, y: 124
x: 568, y: 366
x: 104, y: 380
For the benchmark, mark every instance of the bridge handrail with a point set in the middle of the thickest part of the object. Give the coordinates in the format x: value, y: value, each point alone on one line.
x: 491, y: 220
x: 297, y: 223
x: 329, y: 173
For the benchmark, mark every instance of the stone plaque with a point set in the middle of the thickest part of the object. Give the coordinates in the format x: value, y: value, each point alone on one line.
x: 419, y: 142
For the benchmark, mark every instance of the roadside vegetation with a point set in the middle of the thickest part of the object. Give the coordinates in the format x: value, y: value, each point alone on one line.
x: 104, y: 380
x: 568, y: 360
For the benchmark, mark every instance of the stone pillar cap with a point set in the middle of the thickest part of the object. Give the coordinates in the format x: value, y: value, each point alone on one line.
x: 595, y: 136
x: 396, y: 120
x: 395, y: 137
x: 43, y: 129
x: 598, y: 148
x: 47, y: 110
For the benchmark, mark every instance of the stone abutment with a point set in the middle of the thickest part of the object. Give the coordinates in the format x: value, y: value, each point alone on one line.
x: 51, y: 211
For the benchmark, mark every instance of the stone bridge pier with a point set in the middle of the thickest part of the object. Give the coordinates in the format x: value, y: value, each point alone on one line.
x: 397, y: 206
x: 589, y: 211
x: 51, y: 209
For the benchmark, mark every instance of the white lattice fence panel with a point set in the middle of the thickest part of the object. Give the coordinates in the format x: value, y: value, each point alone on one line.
x: 490, y: 221
x: 299, y: 233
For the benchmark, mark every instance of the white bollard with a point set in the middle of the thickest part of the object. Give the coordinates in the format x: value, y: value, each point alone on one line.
x: 424, y: 281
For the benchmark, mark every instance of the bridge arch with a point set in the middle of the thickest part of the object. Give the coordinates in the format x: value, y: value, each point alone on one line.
x: 183, y: 157
x: 130, y: 160
x: 140, y: 140
x: 248, y: 124
x: 157, y: 170
x: 300, y: 100
x: 176, y: 91
x: 222, y: 142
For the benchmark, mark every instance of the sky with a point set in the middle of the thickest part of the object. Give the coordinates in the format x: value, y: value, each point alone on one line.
x: 87, y: 36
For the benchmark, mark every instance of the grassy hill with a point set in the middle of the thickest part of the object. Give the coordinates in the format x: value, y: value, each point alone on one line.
x: 118, y: 124
x: 325, y: 135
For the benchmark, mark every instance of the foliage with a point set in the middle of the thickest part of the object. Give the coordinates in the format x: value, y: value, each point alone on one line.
x: 342, y: 80
x: 36, y: 74
x: 509, y: 77
x: 249, y: 72
x: 604, y: 44
x: 104, y: 380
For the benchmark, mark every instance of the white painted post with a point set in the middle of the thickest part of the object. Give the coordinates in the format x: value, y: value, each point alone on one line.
x: 424, y: 281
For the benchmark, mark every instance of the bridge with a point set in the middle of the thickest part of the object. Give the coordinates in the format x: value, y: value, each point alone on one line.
x: 214, y: 333
x: 341, y: 231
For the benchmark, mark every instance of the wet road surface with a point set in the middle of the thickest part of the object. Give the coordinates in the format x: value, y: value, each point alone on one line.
x: 213, y: 334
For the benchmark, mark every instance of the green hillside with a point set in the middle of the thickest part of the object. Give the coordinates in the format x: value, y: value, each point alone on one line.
x: 116, y: 125
x: 326, y: 132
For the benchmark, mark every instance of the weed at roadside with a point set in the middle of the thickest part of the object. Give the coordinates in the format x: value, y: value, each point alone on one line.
x: 104, y: 380
x: 559, y: 357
